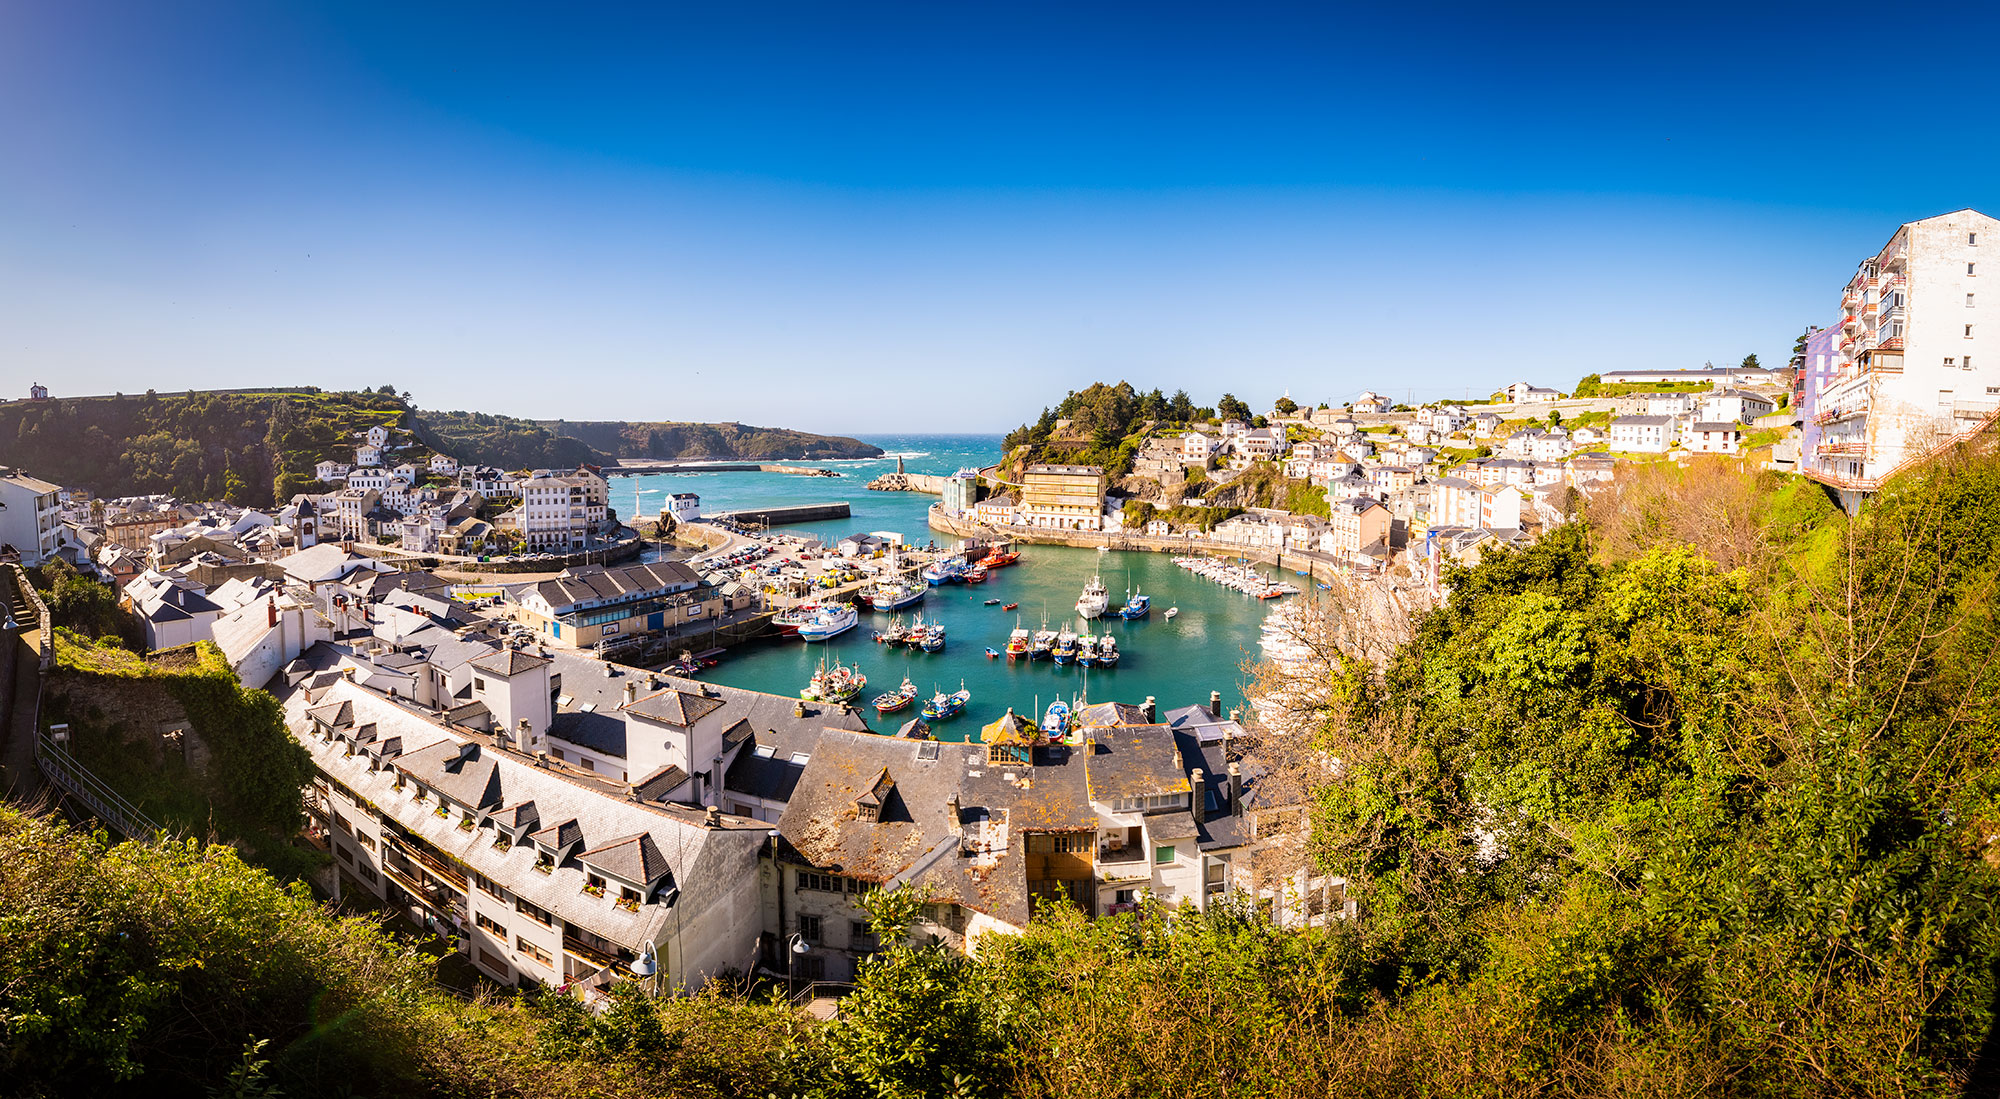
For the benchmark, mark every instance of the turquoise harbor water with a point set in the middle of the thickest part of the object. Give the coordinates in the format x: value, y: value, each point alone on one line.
x: 1179, y: 662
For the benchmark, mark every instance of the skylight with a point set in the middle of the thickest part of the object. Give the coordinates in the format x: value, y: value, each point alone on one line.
x: 767, y: 750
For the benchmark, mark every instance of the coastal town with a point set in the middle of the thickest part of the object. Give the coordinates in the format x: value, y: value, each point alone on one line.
x: 501, y: 681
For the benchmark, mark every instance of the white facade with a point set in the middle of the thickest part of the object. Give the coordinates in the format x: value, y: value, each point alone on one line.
x: 1723, y: 437
x: 1643, y: 434
x: 30, y: 516
x: 1916, y: 363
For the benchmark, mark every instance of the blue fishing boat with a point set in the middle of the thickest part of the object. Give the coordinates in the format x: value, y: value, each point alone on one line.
x: 1065, y: 647
x: 1055, y: 723
x: 1136, y: 606
x: 942, y: 705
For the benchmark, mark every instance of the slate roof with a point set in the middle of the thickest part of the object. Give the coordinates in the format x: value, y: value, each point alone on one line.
x: 1134, y: 761
x: 596, y: 584
x: 1102, y: 714
x: 508, y: 662
x: 463, y: 773
x: 674, y: 707
x: 634, y: 858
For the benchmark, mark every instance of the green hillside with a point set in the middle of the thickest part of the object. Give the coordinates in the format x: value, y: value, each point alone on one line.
x: 679, y: 440
x: 247, y: 447
x: 490, y: 439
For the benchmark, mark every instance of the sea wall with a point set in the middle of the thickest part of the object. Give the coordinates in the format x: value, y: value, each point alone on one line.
x: 909, y: 482
x: 1319, y: 566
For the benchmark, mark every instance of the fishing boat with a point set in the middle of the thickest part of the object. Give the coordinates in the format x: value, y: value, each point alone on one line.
x: 896, y: 699
x: 942, y: 705
x: 945, y: 570
x: 829, y: 622
x: 1107, y: 651
x: 1017, y: 643
x: 1064, y: 649
x: 1055, y: 722
x: 895, y: 633
x: 1094, y: 599
x: 838, y: 684
x: 1042, y: 645
x: 1086, y: 649
x: 896, y: 594
x: 1171, y: 612
x: 789, y: 620
x: 1010, y: 606
x: 1136, y: 606
x: 992, y: 602
x: 974, y: 575
x: 992, y: 653
x: 933, y: 639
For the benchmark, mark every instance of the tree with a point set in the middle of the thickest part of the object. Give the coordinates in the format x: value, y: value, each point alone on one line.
x: 1229, y: 408
x: 1286, y: 406
x: 1750, y: 361
x: 1181, y: 408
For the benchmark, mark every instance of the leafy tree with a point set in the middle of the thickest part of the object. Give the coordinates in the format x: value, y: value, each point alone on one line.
x: 1750, y: 361
x: 1229, y: 408
x: 1286, y: 406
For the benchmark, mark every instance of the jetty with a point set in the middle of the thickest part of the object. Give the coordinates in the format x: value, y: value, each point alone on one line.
x: 797, y: 513
x: 641, y: 469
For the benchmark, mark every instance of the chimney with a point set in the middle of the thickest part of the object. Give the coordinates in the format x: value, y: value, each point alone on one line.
x: 715, y: 777
x: 1235, y: 789
x: 1198, y: 794
x: 631, y: 691
x: 1215, y: 703
x: 799, y: 708
x: 1236, y: 715
x: 713, y: 819
x: 1151, y: 710
x: 271, y: 611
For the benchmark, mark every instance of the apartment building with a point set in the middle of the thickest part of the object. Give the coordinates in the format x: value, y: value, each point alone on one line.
x: 559, y: 511
x: 537, y: 874
x: 1457, y: 502
x: 1355, y: 524
x: 1714, y: 437
x: 1063, y: 497
x: 1738, y: 405
x: 1915, y: 361
x: 30, y: 516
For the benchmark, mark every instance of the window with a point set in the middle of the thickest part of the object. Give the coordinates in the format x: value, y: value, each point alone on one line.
x: 801, y: 758
x: 766, y: 751
x: 532, y: 951
x: 809, y: 928
x: 1950, y: 362
x: 823, y: 883
x: 365, y: 841
x: 487, y: 885
x: 490, y: 925
x: 534, y: 912
x: 478, y: 684
x: 340, y: 822
x: 1163, y: 855
x: 1064, y: 843
x: 593, y: 884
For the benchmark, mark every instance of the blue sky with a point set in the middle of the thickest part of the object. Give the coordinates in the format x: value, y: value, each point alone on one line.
x: 941, y: 216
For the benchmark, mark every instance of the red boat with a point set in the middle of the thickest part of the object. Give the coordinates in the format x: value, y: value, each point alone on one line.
x: 976, y: 574
x: 1010, y: 606
x: 998, y: 559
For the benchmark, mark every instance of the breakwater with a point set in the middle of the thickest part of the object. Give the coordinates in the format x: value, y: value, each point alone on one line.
x: 638, y: 469
x: 1319, y: 566
x: 908, y: 482
x: 796, y: 513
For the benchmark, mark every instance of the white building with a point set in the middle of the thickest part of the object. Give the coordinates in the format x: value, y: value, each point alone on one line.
x: 1643, y: 434
x: 1916, y: 363
x: 330, y: 470
x: 682, y: 507
x: 444, y: 463
x: 368, y: 454
x: 1737, y: 405
x: 30, y: 516
x: 1714, y: 437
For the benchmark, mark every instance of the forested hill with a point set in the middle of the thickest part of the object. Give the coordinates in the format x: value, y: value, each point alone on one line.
x: 246, y: 446
x: 258, y: 447
x: 684, y: 440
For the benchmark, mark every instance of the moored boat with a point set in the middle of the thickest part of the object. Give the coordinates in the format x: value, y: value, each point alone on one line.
x: 895, y: 594
x: 1172, y: 612
x: 1094, y: 599
x: 992, y: 653
x: 1055, y: 722
x: 933, y: 639
x: 942, y: 705
x: 998, y: 558
x: 829, y: 622
x: 896, y: 699
x: 1107, y: 651
x: 1064, y: 649
x: 1017, y: 643
x: 992, y: 602
x: 1010, y: 606
x: 837, y: 684
x: 1137, y: 605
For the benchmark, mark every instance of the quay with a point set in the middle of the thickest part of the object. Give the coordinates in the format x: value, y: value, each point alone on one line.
x: 1321, y: 567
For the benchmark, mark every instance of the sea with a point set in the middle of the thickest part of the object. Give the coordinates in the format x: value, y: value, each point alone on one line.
x: 1206, y: 647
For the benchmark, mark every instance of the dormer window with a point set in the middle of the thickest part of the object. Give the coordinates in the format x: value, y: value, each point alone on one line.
x: 629, y: 899
x: 466, y: 823
x: 501, y: 840
x: 593, y: 884
x: 545, y: 862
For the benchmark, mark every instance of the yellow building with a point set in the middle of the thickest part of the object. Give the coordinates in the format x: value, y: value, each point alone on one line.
x: 1063, y: 497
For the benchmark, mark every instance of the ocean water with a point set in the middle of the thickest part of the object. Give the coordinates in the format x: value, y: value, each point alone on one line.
x: 1205, y: 648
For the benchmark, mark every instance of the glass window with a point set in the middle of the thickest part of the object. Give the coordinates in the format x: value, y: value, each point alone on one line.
x: 1163, y: 855
x: 809, y: 928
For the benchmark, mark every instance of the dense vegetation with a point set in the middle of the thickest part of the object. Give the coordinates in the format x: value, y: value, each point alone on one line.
x: 1695, y: 796
x: 1104, y: 425
x: 643, y: 439
x: 245, y: 447
x: 505, y: 442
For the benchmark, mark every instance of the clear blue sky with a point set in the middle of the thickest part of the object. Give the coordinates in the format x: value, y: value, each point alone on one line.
x: 940, y: 216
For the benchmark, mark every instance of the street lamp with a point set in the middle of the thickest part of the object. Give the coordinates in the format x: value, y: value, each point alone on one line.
x: 794, y: 946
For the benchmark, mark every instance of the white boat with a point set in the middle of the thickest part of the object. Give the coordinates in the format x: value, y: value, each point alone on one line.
x: 895, y: 594
x: 1171, y: 612
x: 829, y: 622
x: 1094, y: 600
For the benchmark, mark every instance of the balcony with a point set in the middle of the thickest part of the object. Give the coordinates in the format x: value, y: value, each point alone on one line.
x: 591, y: 955
x: 1845, y: 446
